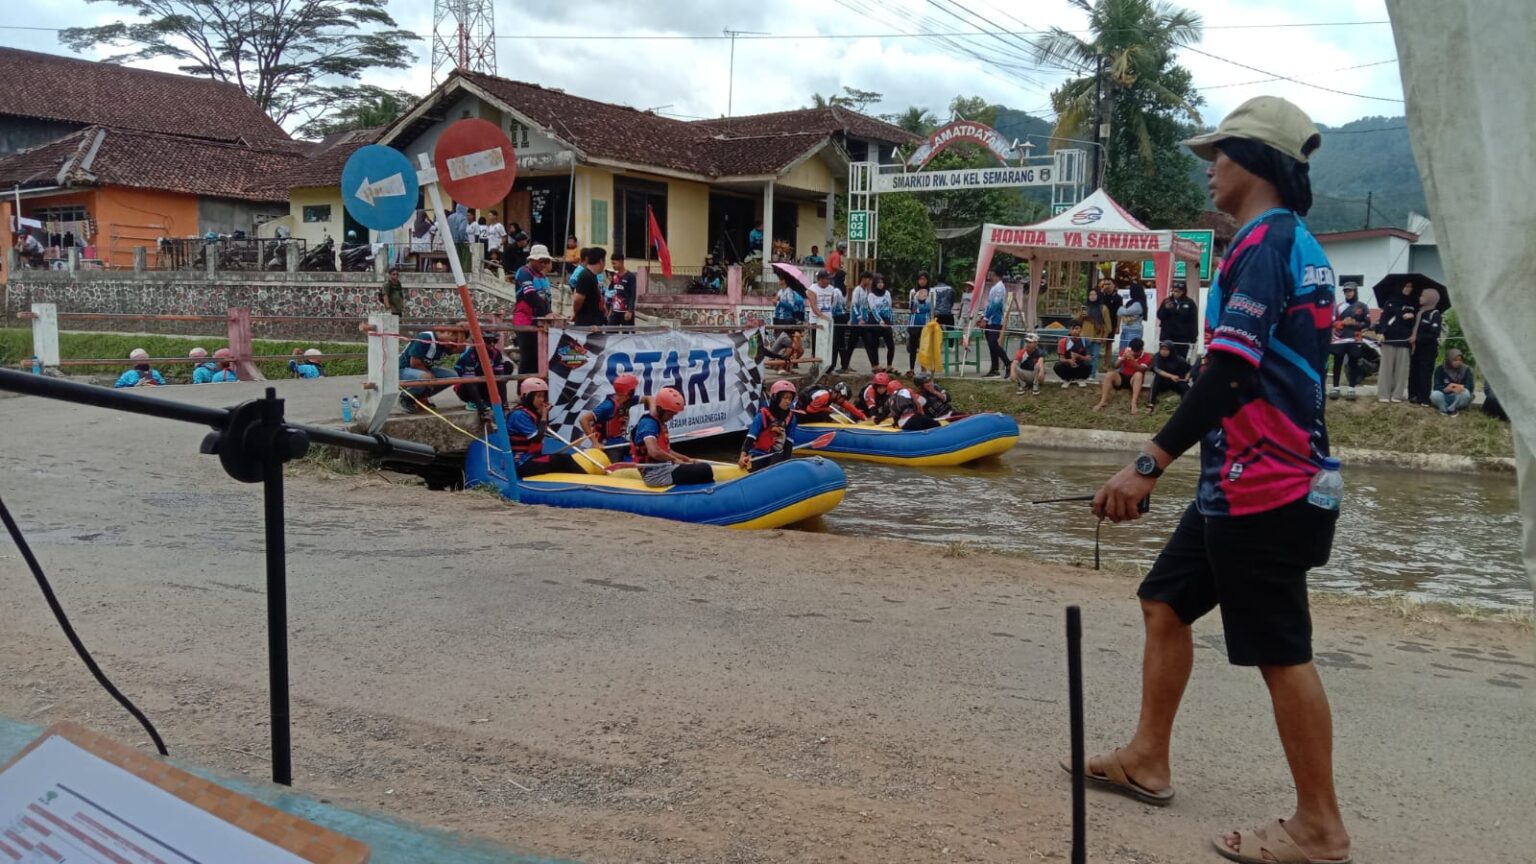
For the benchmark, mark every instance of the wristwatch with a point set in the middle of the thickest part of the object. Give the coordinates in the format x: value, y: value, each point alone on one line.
x: 1146, y: 466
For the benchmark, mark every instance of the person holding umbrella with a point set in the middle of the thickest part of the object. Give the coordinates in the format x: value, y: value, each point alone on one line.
x: 1399, y: 317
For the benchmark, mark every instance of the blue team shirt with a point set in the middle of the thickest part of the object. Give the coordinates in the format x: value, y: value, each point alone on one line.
x: 306, y: 369
x: 202, y: 373
x: 922, y: 312
x: 132, y: 377
x: 997, y: 302
x: 1273, y: 306
x: 425, y: 346
x: 520, y: 424
x: 648, y: 427
x: 224, y: 376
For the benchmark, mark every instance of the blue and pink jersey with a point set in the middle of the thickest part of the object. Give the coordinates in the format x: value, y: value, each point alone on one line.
x: 1272, y: 305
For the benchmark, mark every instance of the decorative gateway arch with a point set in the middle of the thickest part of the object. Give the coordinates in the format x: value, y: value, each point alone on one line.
x: 1062, y: 171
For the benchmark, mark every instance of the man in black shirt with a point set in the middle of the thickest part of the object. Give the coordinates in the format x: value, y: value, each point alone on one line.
x: 1177, y: 320
x: 1349, y: 324
x: 621, y: 308
x: 587, y: 304
x: 1170, y: 373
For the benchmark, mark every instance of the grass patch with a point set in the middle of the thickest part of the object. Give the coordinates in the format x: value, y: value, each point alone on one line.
x: 1364, y: 423
x: 16, y: 347
x: 1429, y: 611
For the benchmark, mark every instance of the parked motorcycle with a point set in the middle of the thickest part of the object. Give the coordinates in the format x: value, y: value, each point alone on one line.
x: 357, y: 258
x: 322, y: 258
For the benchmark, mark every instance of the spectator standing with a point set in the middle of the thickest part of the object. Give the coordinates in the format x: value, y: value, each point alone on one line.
x: 919, y: 313
x: 494, y: 234
x: 993, y: 316
x: 1170, y: 374
x: 621, y: 309
x: 422, y: 229
x: 1075, y: 357
x: 882, y: 323
x: 1029, y: 366
x: 1096, y: 320
x: 1424, y: 348
x: 1349, y: 323
x: 141, y: 375
x: 858, y: 321
x: 1112, y: 300
x: 517, y: 252
x: 835, y: 267
x: 814, y: 259
x: 826, y: 302
x: 755, y: 239
x: 1398, y: 315
x: 1178, y: 319
x: 392, y: 294
x: 788, y: 306
x: 1455, y: 383
x: 533, y: 305
x: 458, y: 229
x: 587, y: 306
x: 944, y: 304
x: 1132, y: 314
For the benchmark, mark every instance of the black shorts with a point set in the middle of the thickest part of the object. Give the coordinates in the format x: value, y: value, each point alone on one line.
x: 1255, y: 568
x: 1123, y: 381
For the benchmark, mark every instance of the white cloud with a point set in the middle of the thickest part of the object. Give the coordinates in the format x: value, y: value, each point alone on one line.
x: 777, y: 74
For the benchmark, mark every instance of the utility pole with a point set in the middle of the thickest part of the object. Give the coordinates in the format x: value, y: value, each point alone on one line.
x: 1368, y: 209
x: 730, y: 87
x: 1098, y: 121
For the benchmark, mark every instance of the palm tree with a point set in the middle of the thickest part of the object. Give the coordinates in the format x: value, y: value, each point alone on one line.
x: 1135, y: 40
x: 916, y: 119
x: 835, y: 101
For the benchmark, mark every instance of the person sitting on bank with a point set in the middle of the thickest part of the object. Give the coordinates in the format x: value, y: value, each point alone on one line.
x: 1170, y: 373
x: 141, y: 375
x: 786, y: 350
x: 935, y: 399
x: 419, y: 362
x: 392, y: 294
x: 607, y: 424
x: 651, y: 449
x: 474, y: 393
x: 202, y: 373
x: 768, y: 438
x: 872, y: 397
x: 1076, y: 359
x: 1130, y: 368
x: 526, y: 427
x: 904, y: 408
x: 1455, y: 383
x: 306, y: 363
x: 224, y: 373
x: 1028, y: 368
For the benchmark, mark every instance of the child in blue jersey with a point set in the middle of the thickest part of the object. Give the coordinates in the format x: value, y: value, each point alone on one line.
x: 768, y: 440
x: 526, y: 426
x: 307, y: 364
x: 202, y: 373
x: 224, y: 372
x: 141, y: 375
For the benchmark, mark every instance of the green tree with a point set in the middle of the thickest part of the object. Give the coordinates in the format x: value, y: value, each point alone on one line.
x: 287, y: 55
x: 860, y: 100
x: 833, y: 101
x: 359, y: 108
x: 907, y: 243
x: 974, y: 108
x: 916, y: 119
x: 1149, y: 99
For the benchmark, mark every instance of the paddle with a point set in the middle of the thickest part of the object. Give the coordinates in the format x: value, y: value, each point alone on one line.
x: 816, y: 444
x: 572, y: 447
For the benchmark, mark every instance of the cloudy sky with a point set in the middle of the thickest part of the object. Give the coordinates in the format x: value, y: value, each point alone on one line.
x: 887, y: 46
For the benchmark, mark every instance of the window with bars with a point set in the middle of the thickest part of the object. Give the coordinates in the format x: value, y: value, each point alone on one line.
x: 66, y: 213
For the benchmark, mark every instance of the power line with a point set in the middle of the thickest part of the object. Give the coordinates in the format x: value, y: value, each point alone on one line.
x: 1273, y: 75
x: 1267, y: 80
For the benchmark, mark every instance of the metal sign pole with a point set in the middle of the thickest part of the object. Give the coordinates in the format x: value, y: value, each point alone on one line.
x: 501, y: 449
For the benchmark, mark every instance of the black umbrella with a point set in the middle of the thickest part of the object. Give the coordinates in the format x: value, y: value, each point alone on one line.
x: 1392, y: 286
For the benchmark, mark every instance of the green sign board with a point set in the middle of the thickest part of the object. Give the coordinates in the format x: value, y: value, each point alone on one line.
x: 858, y: 225
x: 1058, y: 209
x: 1204, y: 239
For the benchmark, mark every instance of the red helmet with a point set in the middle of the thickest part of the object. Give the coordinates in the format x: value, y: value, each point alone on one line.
x: 669, y: 399
x: 782, y: 386
x: 821, y: 400
x: 531, y: 386
x: 882, y: 379
x: 624, y: 385
x: 223, y: 354
x: 892, y: 385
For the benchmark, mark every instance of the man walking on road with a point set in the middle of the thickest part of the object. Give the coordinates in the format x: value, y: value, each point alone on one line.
x: 1247, y: 541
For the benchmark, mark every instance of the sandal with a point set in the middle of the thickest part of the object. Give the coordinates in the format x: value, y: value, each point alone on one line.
x: 1115, y: 779
x: 1273, y: 840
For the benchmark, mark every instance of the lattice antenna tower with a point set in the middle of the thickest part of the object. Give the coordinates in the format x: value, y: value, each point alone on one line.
x: 463, y: 37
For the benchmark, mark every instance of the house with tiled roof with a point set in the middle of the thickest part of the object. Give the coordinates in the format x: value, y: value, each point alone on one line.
x: 592, y: 168
x: 108, y: 158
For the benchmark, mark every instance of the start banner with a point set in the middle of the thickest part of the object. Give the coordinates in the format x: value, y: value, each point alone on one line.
x: 715, y: 372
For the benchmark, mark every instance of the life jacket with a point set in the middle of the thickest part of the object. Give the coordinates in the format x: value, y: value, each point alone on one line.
x: 619, y: 422
x: 903, y: 404
x: 936, y: 405
x: 523, y: 446
x: 871, y: 397
x: 637, y: 449
x: 773, y: 431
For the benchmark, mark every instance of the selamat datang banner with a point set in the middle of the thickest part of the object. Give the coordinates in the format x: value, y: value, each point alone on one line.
x: 714, y: 371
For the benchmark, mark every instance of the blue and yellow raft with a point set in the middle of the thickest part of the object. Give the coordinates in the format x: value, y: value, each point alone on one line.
x: 955, y: 443
x: 780, y: 495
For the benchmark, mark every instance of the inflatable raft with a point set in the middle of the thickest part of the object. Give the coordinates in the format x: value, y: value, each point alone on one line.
x: 955, y: 443
x: 771, y: 498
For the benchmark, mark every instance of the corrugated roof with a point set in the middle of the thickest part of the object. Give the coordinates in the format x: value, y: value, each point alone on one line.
x: 73, y: 90
x: 96, y: 156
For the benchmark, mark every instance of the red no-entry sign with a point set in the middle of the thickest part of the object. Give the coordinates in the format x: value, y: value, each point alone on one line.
x: 475, y: 163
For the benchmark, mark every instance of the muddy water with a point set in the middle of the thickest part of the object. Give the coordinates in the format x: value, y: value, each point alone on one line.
x: 1441, y: 537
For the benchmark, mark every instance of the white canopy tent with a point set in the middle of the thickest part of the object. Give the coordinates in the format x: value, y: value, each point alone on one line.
x: 1095, y: 229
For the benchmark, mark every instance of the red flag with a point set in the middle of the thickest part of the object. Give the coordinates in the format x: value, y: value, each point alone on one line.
x: 655, y: 240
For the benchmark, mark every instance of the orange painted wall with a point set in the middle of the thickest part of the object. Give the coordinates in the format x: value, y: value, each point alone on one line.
x: 138, y: 217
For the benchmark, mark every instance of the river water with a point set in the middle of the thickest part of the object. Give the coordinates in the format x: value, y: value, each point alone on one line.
x: 1437, y: 537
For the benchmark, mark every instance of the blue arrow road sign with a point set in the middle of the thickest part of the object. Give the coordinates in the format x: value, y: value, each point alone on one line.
x: 379, y: 187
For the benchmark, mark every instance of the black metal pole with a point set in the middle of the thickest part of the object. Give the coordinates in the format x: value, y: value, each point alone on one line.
x: 277, y: 593
x: 1079, y: 760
